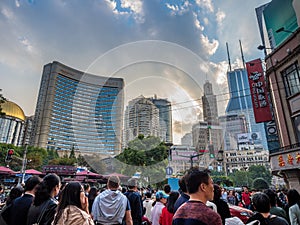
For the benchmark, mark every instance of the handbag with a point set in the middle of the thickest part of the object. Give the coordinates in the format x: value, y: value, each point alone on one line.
x: 42, y: 213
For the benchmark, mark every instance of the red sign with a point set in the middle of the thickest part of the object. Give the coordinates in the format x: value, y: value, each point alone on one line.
x: 259, y: 93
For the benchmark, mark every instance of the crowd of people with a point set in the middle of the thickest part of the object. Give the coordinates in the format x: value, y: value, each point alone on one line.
x: 198, y: 202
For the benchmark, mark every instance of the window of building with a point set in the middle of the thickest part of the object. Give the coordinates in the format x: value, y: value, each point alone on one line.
x: 297, y: 127
x: 291, y: 77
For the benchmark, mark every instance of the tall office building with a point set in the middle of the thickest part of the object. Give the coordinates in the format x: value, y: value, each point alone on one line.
x: 12, y: 124
x: 165, y: 118
x: 240, y: 104
x: 78, y: 110
x: 209, y: 102
x: 232, y: 125
x: 141, y: 117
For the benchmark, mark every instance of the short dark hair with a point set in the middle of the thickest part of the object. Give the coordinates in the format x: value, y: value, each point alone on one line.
x: 31, y: 183
x: 86, y: 186
x: 272, y: 196
x: 167, y: 188
x: 261, y: 202
x: 113, y: 182
x: 182, y: 184
x: 293, y: 197
x: 148, y: 194
x: 194, y: 178
x: 217, y: 192
x: 132, y: 182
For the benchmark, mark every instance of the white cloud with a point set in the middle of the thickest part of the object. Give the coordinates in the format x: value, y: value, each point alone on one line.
x: 197, y: 22
x: 220, y: 16
x: 178, y: 9
x: 209, y: 46
x: 26, y: 43
x: 135, y: 5
x: 206, y: 21
x: 205, y: 4
x: 17, y: 3
x: 7, y: 13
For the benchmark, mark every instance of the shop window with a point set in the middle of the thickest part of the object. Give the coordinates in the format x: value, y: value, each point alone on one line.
x: 291, y: 77
x: 297, y: 127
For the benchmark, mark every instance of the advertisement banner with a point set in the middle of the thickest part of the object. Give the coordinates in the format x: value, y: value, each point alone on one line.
x: 259, y: 94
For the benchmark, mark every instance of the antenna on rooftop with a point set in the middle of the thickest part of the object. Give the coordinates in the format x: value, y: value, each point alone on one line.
x: 242, y: 54
x: 228, y: 56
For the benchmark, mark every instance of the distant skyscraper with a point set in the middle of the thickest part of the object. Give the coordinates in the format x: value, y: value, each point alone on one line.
x: 209, y: 102
x: 187, y: 139
x: 78, y: 110
x: 141, y: 117
x: 12, y: 124
x: 240, y: 104
x: 165, y: 118
x: 232, y: 126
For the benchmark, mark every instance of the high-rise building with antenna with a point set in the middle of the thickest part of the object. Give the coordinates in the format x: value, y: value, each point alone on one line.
x: 240, y: 104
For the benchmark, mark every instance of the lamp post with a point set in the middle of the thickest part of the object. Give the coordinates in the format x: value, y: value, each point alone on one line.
x: 220, y: 159
x: 282, y: 29
x: 23, y: 170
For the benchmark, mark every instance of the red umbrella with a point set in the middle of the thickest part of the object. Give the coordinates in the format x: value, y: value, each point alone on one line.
x: 6, y: 170
x: 33, y: 172
x: 116, y: 174
x: 88, y: 173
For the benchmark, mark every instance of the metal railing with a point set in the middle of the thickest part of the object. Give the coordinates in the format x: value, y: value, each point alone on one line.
x: 285, y: 148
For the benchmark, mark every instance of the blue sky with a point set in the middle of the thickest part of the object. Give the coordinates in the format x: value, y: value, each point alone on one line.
x: 163, y: 47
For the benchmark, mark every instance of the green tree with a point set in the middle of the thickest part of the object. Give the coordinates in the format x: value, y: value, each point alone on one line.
x: 260, y: 171
x: 72, y: 153
x: 147, y: 156
x: 260, y: 184
x: 241, y: 178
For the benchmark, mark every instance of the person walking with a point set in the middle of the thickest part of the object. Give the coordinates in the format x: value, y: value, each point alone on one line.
x: 274, y: 210
x: 147, y: 204
x: 6, y: 212
x: 222, y: 206
x: 200, y: 188
x: 246, y: 198
x: 294, y: 206
x: 167, y: 213
x: 73, y: 206
x: 92, y: 195
x: 135, y: 200
x: 261, y: 204
x: 161, y: 200
x: 184, y: 197
x: 20, y: 207
x: 111, y: 206
x: 44, y: 204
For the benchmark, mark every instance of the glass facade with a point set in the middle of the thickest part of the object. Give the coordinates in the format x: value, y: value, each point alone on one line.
x: 240, y: 103
x: 12, y: 124
x: 84, y: 112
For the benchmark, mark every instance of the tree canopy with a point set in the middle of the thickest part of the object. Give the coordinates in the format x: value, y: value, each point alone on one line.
x: 148, y: 156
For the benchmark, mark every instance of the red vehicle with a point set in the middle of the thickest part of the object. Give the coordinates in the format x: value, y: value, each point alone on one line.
x: 240, y: 212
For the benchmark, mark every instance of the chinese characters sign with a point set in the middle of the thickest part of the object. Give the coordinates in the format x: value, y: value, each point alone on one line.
x: 288, y: 160
x: 259, y: 94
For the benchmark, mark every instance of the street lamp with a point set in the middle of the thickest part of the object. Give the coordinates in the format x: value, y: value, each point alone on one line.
x: 282, y: 29
x: 23, y: 171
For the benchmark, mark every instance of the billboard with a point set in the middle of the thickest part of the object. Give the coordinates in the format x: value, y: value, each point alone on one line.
x: 249, y: 137
x: 278, y: 15
x: 258, y: 90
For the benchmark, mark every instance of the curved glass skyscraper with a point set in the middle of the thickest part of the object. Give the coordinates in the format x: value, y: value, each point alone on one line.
x: 78, y: 110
